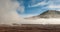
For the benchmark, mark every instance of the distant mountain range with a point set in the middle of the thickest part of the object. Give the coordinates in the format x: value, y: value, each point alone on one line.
x: 47, y: 14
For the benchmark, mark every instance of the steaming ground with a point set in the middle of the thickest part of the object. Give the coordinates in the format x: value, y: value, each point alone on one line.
x: 37, y: 21
x: 43, y: 21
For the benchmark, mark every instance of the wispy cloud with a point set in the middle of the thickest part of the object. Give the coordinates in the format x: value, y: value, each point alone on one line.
x: 54, y: 5
x: 51, y: 4
x: 38, y: 4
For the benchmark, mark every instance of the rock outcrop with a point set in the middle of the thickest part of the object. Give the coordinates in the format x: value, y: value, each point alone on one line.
x: 47, y: 14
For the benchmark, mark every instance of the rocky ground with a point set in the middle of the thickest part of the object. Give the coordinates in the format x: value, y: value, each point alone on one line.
x: 30, y: 28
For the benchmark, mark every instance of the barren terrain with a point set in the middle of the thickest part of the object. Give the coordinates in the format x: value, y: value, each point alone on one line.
x: 30, y: 28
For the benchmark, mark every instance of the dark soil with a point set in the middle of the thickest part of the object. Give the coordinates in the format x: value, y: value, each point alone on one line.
x: 30, y: 28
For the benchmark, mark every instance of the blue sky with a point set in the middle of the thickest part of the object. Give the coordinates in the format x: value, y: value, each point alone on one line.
x: 36, y: 7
